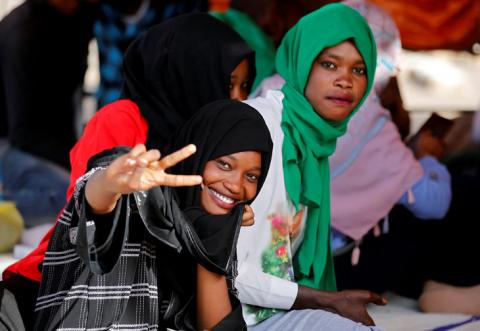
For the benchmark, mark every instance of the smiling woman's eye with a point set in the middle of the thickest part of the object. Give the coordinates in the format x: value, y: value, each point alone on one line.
x: 328, y: 65
x: 252, y: 178
x: 224, y: 165
x: 360, y: 71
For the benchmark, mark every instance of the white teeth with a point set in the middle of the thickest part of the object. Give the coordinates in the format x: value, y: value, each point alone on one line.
x: 222, y: 197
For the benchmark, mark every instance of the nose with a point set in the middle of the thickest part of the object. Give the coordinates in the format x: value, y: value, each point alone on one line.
x: 344, y: 79
x: 234, y: 184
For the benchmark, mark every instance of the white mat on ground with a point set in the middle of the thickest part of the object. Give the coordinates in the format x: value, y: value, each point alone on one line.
x: 402, y: 314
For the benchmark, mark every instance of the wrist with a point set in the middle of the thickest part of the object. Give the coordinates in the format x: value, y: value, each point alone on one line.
x: 100, y: 197
x: 309, y: 298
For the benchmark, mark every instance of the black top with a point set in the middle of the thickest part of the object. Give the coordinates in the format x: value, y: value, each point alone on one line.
x: 43, y: 58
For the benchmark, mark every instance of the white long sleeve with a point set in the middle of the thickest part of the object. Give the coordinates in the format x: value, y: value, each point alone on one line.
x: 264, y: 290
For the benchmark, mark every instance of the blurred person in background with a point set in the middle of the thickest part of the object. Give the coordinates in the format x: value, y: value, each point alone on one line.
x: 275, y: 18
x: 43, y: 58
x: 402, y: 220
x: 118, y: 24
x: 373, y: 171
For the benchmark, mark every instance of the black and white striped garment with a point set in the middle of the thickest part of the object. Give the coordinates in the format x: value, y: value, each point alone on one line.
x: 71, y: 297
x: 111, y: 273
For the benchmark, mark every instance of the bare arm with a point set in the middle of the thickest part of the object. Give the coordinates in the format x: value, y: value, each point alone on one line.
x: 213, y: 302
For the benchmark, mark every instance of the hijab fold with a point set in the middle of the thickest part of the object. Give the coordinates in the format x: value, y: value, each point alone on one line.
x: 309, y: 139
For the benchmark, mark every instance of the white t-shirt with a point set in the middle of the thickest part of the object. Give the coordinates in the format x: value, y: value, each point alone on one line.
x: 265, y: 249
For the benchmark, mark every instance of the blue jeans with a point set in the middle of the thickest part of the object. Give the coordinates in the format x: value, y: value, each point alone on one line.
x: 37, y: 186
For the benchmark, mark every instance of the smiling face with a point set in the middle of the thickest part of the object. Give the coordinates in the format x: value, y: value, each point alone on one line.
x: 337, y: 81
x: 228, y: 180
x: 239, y: 81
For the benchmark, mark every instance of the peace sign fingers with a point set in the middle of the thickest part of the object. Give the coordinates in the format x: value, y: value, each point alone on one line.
x: 176, y: 157
x: 181, y: 180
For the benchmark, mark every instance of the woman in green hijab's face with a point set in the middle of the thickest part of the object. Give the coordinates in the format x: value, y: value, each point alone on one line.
x: 337, y: 81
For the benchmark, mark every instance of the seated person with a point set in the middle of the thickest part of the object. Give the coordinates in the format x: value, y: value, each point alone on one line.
x: 162, y: 90
x: 286, y: 279
x: 372, y: 171
x: 129, y: 252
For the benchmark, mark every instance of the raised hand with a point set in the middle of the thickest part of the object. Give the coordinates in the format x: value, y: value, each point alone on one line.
x: 138, y: 170
x: 141, y: 170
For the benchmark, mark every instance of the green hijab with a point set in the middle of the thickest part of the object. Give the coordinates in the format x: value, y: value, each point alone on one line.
x: 310, y: 139
x: 255, y: 38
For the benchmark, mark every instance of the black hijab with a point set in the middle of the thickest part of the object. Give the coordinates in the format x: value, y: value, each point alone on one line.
x: 174, y: 215
x: 218, y: 129
x: 179, y: 66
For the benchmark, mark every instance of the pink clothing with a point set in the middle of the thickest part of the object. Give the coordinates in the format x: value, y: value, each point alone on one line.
x: 366, y: 191
x: 371, y: 167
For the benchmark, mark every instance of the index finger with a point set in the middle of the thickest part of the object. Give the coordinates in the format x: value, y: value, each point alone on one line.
x: 182, y: 180
x: 178, y: 156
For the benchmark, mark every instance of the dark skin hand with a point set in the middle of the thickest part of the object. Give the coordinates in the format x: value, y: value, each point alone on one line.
x: 351, y: 304
x: 428, y: 144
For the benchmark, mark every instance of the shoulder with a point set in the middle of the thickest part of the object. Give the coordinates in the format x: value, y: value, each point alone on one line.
x: 120, y: 114
x: 118, y: 123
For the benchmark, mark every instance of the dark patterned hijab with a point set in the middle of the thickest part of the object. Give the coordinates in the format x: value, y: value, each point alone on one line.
x: 179, y: 66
